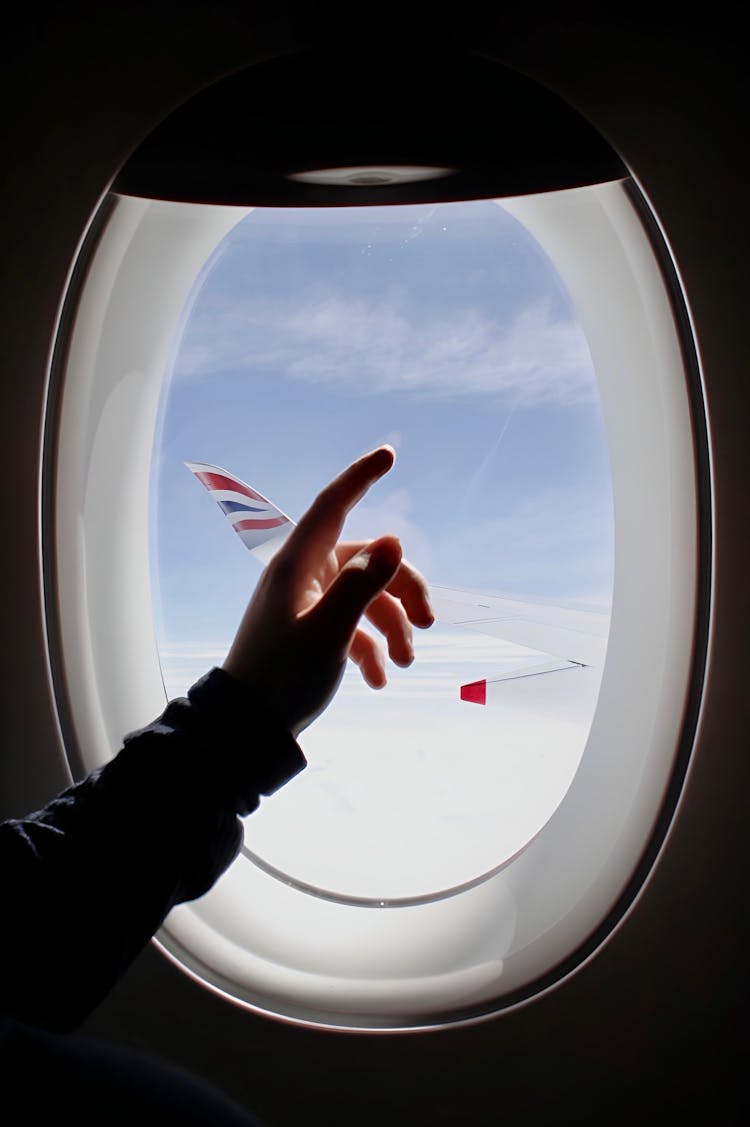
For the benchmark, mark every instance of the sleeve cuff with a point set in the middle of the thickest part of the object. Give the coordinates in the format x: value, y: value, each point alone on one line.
x: 247, y: 738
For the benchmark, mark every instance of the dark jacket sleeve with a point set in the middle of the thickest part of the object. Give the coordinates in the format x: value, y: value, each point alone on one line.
x: 87, y: 880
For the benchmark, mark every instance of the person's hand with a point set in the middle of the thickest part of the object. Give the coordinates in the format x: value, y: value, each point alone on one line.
x: 303, y: 619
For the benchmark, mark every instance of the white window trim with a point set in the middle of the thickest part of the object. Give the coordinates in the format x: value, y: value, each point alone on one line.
x: 253, y: 938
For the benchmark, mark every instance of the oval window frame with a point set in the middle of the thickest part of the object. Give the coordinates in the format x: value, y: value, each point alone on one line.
x: 112, y: 350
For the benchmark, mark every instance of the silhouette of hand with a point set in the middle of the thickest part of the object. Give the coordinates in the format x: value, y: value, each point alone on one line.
x: 303, y: 619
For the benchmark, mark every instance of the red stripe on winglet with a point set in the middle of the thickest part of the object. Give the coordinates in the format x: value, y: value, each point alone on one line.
x: 253, y: 524
x: 475, y: 693
x: 218, y: 481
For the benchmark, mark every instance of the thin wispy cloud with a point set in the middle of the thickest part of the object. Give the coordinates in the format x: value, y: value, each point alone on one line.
x: 375, y: 346
x: 392, y: 516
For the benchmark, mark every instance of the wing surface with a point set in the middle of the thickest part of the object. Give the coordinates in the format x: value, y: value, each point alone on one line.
x: 577, y: 636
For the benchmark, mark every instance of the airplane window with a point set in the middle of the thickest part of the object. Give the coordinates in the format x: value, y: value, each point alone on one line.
x: 468, y: 836
x: 445, y: 330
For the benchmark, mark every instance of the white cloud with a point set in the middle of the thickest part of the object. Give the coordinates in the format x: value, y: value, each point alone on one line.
x: 329, y: 337
x: 444, y: 658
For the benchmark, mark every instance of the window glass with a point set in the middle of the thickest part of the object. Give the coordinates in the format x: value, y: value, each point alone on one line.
x: 312, y: 336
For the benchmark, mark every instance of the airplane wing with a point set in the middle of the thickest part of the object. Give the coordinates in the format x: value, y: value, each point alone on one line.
x: 568, y: 638
x: 564, y: 638
x: 577, y: 636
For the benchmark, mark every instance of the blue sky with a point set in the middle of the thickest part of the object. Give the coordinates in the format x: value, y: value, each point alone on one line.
x: 312, y: 337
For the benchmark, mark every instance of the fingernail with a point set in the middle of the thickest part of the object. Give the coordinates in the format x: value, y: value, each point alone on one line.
x: 386, y: 447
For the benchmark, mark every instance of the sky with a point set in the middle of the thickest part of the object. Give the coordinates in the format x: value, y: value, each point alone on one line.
x: 310, y: 337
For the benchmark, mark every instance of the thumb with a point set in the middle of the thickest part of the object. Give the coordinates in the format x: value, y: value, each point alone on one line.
x: 334, y: 618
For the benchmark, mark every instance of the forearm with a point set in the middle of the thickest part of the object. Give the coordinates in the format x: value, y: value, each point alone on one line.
x: 90, y: 878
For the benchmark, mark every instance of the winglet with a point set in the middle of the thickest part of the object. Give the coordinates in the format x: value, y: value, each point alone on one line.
x: 475, y: 692
x: 260, y: 525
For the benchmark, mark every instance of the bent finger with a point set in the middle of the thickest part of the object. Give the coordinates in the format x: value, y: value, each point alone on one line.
x: 389, y: 616
x: 333, y: 619
x: 368, y: 655
x: 408, y: 585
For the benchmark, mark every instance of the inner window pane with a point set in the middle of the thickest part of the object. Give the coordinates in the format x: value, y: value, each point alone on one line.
x: 312, y: 336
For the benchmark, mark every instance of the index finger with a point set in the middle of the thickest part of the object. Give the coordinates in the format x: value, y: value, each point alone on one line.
x: 319, y: 529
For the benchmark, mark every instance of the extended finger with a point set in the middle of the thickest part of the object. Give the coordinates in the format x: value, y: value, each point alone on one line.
x: 389, y: 616
x: 368, y: 655
x: 320, y: 527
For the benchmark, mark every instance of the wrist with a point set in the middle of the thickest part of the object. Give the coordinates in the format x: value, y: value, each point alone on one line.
x: 256, y: 748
